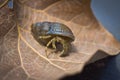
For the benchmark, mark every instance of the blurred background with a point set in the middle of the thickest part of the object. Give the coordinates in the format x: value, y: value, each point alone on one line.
x: 108, y: 13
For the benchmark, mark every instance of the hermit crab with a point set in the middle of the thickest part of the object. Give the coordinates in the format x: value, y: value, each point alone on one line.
x: 53, y: 34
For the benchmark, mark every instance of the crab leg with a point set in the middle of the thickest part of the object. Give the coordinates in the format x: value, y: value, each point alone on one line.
x: 53, y: 44
x: 62, y: 41
x: 65, y: 46
x: 48, y: 44
x: 44, y: 37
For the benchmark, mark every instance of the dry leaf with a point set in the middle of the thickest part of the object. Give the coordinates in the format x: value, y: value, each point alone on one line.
x: 23, y: 58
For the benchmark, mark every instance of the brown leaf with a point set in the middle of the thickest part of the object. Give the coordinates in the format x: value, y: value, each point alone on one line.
x: 23, y: 58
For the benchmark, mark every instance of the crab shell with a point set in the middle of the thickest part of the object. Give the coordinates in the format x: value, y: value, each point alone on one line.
x: 53, y: 29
